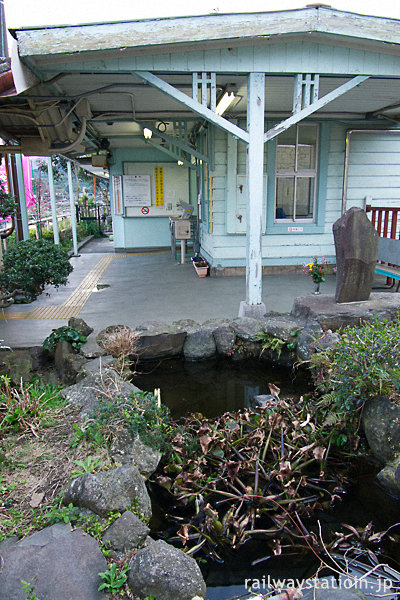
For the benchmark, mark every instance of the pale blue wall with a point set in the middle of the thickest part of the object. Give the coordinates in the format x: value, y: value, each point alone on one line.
x: 374, y: 173
x: 136, y: 232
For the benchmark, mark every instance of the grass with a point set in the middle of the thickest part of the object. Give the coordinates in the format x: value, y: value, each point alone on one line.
x: 38, y: 459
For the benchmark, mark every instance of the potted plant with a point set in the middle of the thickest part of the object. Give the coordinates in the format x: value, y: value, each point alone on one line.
x: 201, y: 265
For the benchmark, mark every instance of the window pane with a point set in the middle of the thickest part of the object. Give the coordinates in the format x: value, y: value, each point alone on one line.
x: 307, y: 143
x: 305, y: 197
x: 286, y: 157
x: 286, y: 149
x: 284, y: 197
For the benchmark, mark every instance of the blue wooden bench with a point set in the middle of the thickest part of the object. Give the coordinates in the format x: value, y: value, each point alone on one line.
x: 389, y: 252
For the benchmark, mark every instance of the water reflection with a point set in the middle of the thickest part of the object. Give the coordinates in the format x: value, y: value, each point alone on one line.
x: 216, y: 386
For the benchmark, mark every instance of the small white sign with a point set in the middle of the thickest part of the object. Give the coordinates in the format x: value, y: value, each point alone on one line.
x: 293, y: 229
x: 137, y: 190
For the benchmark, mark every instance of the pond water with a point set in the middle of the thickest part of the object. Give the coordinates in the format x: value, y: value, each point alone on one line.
x: 216, y: 386
x: 221, y: 385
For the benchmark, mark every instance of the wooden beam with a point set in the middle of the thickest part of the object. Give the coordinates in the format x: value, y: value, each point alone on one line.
x: 302, y: 114
x: 171, y: 153
x: 195, y: 106
x: 22, y: 196
x: 56, y: 235
x: 174, y: 141
x: 255, y: 181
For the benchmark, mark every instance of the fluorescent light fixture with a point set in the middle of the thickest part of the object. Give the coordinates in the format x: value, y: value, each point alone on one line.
x: 225, y: 102
x: 147, y: 133
x: 180, y: 163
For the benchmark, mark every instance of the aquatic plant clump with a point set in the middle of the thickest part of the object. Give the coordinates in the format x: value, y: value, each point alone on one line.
x: 249, y: 473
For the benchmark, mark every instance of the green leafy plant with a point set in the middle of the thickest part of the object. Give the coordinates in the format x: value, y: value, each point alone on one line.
x: 64, y: 334
x: 113, y: 579
x: 89, y: 465
x: 275, y: 344
x: 141, y: 414
x: 364, y: 363
x: 32, y: 264
x: 29, y: 590
x: 8, y: 205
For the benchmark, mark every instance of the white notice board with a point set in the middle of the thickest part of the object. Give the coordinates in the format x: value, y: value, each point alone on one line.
x: 137, y: 191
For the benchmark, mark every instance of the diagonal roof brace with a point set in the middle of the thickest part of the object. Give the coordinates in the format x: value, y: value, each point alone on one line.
x: 305, y: 112
x: 174, y: 141
x: 194, y: 105
x: 170, y: 152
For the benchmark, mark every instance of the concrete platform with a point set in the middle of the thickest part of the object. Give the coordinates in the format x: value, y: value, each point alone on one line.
x: 109, y: 288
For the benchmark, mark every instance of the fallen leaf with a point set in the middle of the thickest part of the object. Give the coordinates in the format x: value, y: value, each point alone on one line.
x: 274, y: 390
x: 36, y: 499
x: 319, y: 453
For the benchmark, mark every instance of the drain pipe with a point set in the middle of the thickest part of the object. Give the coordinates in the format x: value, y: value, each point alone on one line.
x: 347, y: 157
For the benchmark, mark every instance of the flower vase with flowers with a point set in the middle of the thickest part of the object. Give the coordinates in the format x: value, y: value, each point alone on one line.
x: 317, y: 270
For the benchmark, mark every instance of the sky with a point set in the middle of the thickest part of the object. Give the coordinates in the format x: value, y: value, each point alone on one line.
x: 25, y: 13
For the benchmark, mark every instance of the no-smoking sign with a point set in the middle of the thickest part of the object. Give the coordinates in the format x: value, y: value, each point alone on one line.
x: 145, y: 210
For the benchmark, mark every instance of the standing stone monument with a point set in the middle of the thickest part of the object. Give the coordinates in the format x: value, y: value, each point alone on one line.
x: 356, y: 243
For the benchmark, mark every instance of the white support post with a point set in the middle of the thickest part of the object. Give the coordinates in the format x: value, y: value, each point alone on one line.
x: 22, y: 196
x: 255, y: 179
x: 72, y: 207
x: 53, y: 201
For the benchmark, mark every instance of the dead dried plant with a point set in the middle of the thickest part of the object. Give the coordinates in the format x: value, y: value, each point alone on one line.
x: 121, y: 343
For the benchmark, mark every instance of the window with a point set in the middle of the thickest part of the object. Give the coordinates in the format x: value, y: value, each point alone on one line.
x: 296, y: 174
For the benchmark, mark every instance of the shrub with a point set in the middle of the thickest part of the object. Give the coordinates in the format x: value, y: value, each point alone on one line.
x: 32, y: 264
x: 365, y: 362
x: 8, y: 206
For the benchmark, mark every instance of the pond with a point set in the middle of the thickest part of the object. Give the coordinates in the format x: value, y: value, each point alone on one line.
x: 216, y: 386
x: 222, y: 385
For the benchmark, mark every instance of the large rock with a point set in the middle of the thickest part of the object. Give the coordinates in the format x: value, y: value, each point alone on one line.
x: 104, y: 386
x: 126, y: 533
x: 62, y: 565
x: 110, y: 491
x: 284, y: 328
x: 306, y: 340
x: 67, y: 362
x: 381, y: 422
x: 199, y: 345
x: 356, y: 243
x: 331, y: 315
x: 92, y: 349
x: 126, y: 449
x: 389, y: 477
x: 97, y: 365
x: 225, y: 338
x: 165, y: 572
x: 17, y: 365
x: 80, y: 325
x: 159, y: 343
x: 247, y: 328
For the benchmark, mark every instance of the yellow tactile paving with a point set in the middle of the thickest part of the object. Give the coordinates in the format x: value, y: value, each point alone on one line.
x: 76, y: 301
x: 74, y: 304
